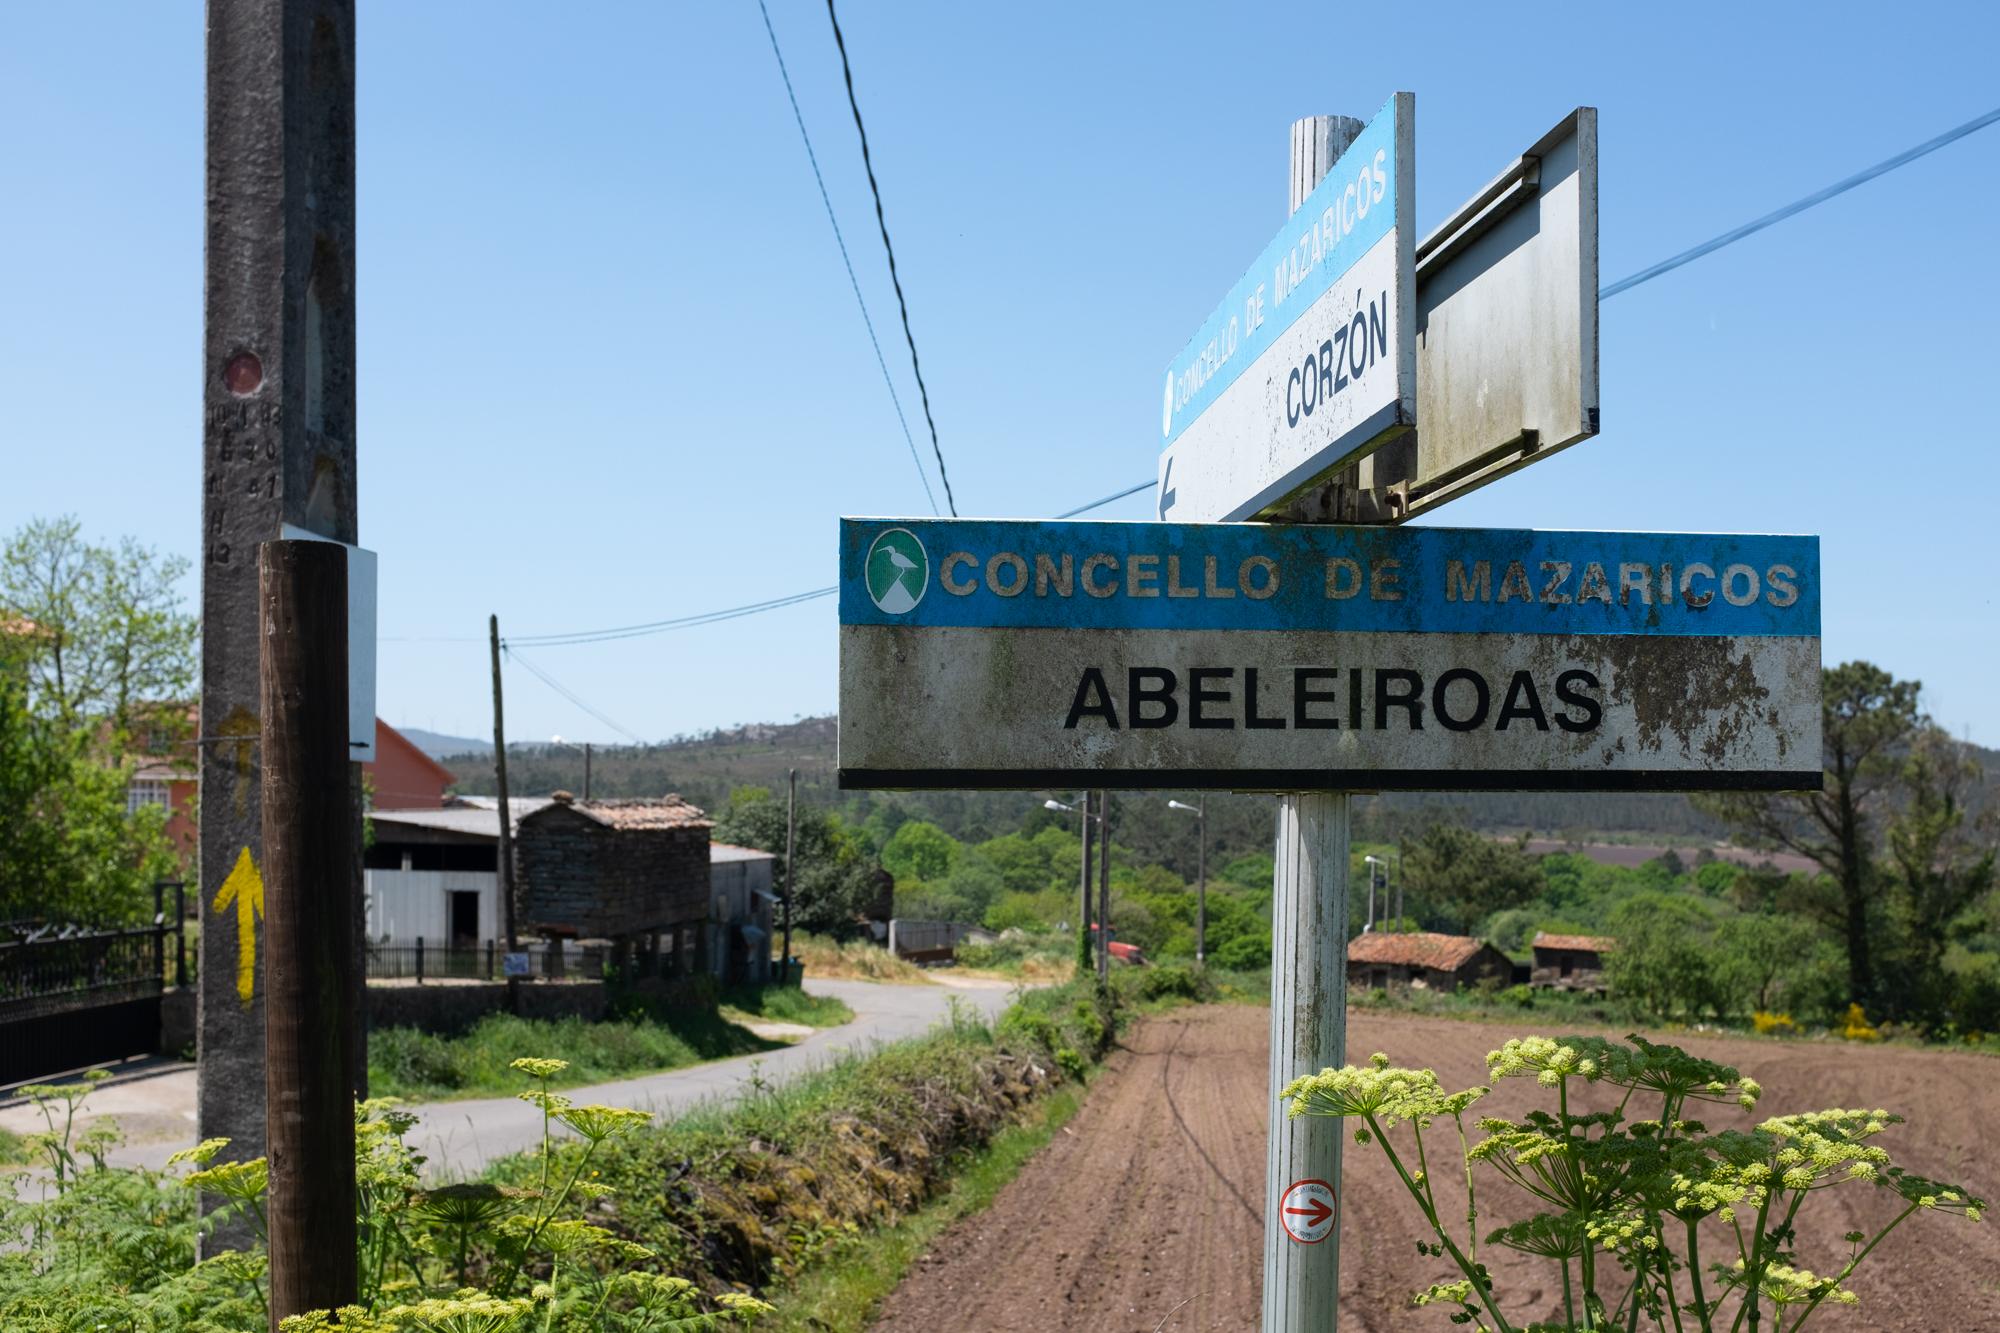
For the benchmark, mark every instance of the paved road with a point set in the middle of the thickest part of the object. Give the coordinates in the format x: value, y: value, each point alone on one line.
x: 461, y: 1137
x: 156, y: 1108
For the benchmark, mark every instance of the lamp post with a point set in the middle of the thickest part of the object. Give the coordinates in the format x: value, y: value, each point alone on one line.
x: 1376, y: 865
x: 1200, y: 812
x: 1083, y: 900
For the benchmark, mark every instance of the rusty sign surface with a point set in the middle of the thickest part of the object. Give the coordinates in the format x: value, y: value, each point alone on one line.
x: 977, y: 653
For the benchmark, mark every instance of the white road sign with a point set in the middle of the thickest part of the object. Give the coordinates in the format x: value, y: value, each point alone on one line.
x: 1309, y: 362
x: 978, y: 653
x: 361, y: 584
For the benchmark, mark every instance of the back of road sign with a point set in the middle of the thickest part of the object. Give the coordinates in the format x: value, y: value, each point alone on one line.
x: 1506, y: 326
x: 1310, y: 362
x: 979, y: 653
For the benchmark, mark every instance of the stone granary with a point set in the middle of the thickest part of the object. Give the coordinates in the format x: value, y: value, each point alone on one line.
x: 634, y: 872
x: 1570, y: 962
x: 1423, y: 960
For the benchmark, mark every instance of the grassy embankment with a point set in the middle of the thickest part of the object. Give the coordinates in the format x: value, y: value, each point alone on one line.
x: 820, y: 1192
x: 420, y: 1066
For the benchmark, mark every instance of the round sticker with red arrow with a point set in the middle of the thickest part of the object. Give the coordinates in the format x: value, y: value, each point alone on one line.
x: 1309, y: 1211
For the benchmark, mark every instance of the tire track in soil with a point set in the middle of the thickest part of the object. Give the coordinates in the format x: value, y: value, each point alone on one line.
x: 1143, y: 1216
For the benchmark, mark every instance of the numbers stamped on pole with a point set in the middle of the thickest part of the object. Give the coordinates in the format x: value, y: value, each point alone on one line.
x: 1309, y: 1211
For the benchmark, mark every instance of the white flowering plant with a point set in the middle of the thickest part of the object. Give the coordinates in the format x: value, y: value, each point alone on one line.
x: 1628, y: 1204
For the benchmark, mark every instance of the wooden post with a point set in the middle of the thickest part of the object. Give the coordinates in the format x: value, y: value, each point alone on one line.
x: 309, y: 872
x: 791, y: 847
x: 506, y: 851
x: 1308, y: 957
x: 1103, y: 887
x: 586, y: 771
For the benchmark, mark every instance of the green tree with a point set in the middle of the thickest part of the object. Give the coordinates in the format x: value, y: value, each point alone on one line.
x: 1662, y: 962
x: 1868, y: 720
x: 68, y: 850
x: 110, y: 635
x: 1759, y: 957
x: 1939, y: 865
x: 920, y: 852
x: 837, y: 881
x: 1466, y: 877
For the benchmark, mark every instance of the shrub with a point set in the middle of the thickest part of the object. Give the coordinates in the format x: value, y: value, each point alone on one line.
x: 1774, y: 1025
x: 1856, y: 1027
x: 1245, y: 953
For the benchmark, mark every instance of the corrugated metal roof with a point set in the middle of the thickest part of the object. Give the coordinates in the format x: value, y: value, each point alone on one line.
x: 479, y: 820
x: 1446, y: 953
x: 1585, y: 943
x: 729, y: 851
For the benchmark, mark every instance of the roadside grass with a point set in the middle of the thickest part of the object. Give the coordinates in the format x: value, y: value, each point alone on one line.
x: 853, y: 960
x: 420, y: 1066
x: 13, y: 1148
x: 784, y: 1004
x: 841, y: 1293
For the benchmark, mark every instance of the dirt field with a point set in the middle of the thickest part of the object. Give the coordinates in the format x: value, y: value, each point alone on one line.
x: 1143, y: 1215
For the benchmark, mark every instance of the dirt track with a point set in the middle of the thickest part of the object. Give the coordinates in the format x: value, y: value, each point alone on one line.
x: 1143, y: 1215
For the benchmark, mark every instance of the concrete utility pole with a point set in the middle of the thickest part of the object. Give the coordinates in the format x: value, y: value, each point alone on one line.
x: 278, y: 446
x: 1308, y: 960
x: 311, y: 858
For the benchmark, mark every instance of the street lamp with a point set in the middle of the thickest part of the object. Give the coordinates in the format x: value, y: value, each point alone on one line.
x: 1372, y: 863
x: 1083, y: 900
x: 1397, y: 879
x: 1200, y: 812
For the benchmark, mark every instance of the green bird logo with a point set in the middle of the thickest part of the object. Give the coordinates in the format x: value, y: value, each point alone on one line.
x: 897, y: 571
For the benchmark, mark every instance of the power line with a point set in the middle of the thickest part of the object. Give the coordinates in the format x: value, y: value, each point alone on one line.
x: 841, y: 241
x: 1882, y: 168
x: 847, y: 73
x: 678, y: 622
x: 568, y: 694
x: 1625, y: 284
x: 1099, y: 504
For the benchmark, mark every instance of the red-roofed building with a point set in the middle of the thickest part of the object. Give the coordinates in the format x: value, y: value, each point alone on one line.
x: 1570, y: 962
x: 1422, y: 960
x: 402, y: 777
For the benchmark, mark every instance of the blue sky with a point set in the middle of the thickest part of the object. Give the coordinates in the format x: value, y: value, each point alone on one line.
x: 611, y: 369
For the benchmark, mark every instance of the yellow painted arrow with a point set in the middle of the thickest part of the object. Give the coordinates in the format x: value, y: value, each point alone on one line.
x: 245, y: 889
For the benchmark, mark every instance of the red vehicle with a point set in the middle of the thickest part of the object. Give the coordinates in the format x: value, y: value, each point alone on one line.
x: 1124, y: 953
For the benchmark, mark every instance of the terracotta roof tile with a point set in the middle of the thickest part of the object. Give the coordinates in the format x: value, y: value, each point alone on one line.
x: 666, y: 812
x: 1447, y: 953
x: 1585, y: 943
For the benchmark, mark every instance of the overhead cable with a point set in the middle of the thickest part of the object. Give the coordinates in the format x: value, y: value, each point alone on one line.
x: 847, y: 73
x: 568, y: 694
x: 1882, y: 168
x: 841, y: 241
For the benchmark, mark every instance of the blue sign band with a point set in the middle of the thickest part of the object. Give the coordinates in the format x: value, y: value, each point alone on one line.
x: 1341, y: 220
x: 1019, y: 574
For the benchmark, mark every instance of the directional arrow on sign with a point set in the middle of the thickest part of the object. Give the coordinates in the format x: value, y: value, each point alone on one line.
x: 1167, y: 490
x: 1315, y: 1213
x: 244, y: 890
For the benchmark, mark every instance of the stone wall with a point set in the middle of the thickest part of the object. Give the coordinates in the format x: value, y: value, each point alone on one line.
x: 451, y: 1008
x: 580, y: 875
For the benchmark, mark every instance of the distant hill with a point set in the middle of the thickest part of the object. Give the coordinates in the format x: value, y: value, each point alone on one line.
x: 437, y: 745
